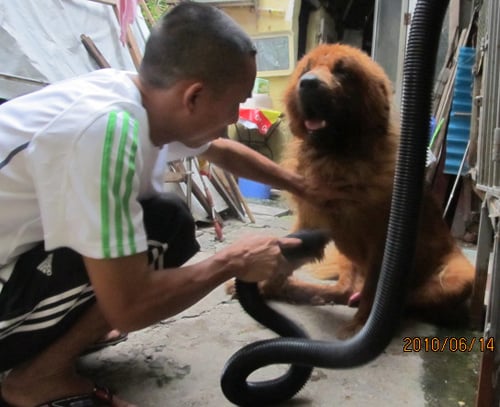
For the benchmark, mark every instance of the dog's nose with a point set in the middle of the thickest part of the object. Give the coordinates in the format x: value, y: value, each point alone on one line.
x: 309, y: 81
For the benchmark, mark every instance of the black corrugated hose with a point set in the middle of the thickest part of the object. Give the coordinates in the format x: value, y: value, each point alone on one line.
x: 296, y: 349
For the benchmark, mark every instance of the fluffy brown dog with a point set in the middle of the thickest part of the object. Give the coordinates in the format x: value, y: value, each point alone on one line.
x: 339, y: 111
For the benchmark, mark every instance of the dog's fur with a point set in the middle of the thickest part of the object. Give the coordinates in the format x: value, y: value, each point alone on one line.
x: 345, y: 141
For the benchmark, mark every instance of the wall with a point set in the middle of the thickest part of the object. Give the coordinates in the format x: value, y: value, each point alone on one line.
x: 320, y: 29
x: 282, y: 17
x: 271, y: 16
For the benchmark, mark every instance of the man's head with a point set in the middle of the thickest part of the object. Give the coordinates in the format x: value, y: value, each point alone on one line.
x: 195, y: 41
x: 198, y: 66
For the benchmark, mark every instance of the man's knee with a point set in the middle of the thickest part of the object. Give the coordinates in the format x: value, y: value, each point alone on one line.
x: 166, y: 212
x: 170, y: 228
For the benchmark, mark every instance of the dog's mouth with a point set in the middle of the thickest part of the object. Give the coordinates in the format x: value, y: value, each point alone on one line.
x: 313, y: 125
x: 314, y: 99
x: 316, y: 110
x: 320, y: 120
x: 314, y: 118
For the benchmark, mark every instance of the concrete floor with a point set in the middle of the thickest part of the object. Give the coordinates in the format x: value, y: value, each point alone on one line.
x: 178, y: 362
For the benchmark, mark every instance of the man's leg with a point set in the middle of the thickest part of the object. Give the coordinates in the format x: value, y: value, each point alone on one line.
x: 47, y: 317
x: 45, y: 370
x: 170, y: 228
x: 51, y: 374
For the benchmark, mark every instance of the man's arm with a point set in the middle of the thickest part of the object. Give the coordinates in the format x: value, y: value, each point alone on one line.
x: 244, y: 162
x: 132, y: 296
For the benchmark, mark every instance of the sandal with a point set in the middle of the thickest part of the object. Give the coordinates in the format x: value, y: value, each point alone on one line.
x: 99, y: 397
x: 104, y: 344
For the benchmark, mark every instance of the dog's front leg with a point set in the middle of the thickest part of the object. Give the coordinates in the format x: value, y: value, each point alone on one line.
x: 366, y: 299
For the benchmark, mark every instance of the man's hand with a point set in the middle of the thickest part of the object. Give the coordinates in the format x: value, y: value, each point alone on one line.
x: 257, y: 258
x: 132, y: 296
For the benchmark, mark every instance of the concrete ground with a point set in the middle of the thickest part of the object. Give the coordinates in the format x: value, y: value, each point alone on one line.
x: 179, y: 361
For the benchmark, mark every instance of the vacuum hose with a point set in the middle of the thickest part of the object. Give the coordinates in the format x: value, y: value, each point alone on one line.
x: 295, y: 348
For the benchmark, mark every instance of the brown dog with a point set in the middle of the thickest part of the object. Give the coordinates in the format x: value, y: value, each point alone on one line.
x: 339, y: 111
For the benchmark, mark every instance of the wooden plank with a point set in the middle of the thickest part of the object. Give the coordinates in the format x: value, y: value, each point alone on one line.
x: 233, y: 189
x: 174, y: 177
x: 485, y: 391
x: 224, y: 193
x: 484, y: 247
x: 107, y: 2
x: 147, y: 14
x: 248, y: 211
x: 196, y: 190
x: 230, y: 188
x: 133, y: 48
x: 94, y: 52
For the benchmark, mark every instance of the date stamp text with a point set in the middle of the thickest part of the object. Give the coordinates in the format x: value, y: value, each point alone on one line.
x: 448, y: 343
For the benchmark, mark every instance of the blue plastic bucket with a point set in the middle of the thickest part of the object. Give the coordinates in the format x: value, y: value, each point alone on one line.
x: 253, y: 189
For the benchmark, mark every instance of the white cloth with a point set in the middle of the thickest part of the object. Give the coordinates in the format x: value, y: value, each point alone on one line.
x: 41, y: 41
x: 75, y: 158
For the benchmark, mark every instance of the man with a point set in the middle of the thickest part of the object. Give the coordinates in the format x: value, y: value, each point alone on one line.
x: 83, y: 219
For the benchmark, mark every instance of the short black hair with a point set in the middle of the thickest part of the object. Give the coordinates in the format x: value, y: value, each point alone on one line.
x: 195, y: 41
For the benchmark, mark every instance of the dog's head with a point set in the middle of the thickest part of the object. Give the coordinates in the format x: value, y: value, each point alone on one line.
x: 338, y: 99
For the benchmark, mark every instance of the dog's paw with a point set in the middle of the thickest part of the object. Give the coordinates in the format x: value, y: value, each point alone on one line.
x: 354, y: 300
x: 230, y: 288
x: 317, y: 300
x: 349, y: 329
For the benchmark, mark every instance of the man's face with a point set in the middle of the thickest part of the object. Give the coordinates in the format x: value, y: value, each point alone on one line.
x: 216, y: 110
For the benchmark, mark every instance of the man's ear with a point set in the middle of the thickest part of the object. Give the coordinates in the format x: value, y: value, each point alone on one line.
x: 192, y: 95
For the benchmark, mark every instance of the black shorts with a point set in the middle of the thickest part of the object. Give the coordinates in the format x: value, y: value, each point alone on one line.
x: 48, y: 291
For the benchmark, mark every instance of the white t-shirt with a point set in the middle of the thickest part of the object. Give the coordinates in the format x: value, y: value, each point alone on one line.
x: 75, y: 158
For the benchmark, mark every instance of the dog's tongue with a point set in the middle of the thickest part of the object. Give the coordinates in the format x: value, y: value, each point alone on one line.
x: 314, y: 124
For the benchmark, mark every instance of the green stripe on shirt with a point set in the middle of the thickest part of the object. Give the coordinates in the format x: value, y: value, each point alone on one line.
x: 105, y: 178
x: 117, y: 182
x: 128, y: 187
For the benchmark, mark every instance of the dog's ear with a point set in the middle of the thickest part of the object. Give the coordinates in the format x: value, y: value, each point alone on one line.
x: 386, y: 88
x: 292, y: 113
x: 341, y: 67
x: 387, y: 91
x: 384, y: 91
x: 307, y: 66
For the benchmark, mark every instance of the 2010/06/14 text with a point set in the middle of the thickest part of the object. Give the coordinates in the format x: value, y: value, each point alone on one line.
x: 447, y: 343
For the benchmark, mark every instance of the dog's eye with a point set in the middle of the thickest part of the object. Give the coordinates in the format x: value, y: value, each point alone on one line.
x: 340, y: 69
x: 307, y: 68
